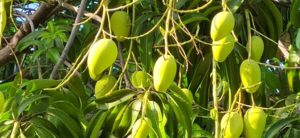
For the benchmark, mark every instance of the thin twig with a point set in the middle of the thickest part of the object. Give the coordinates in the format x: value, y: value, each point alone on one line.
x: 126, y: 76
x: 70, y: 40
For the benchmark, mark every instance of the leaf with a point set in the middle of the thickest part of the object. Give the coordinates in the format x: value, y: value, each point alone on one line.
x: 44, y: 124
x: 193, y: 17
x: 53, y: 54
x: 118, y: 95
x: 182, y: 112
x: 29, y: 101
x: 95, y: 124
x: 39, y: 84
x: 234, y: 5
x: 77, y: 87
x: 139, y: 23
x: 297, y: 39
x: 69, y: 122
x: 145, y: 51
x: 277, y: 126
x: 270, y: 79
x: 29, y: 40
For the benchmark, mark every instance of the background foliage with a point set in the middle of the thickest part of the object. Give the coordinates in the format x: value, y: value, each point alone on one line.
x: 64, y: 105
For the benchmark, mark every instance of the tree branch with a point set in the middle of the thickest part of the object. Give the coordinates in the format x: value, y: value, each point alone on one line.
x: 39, y: 17
x: 70, y: 40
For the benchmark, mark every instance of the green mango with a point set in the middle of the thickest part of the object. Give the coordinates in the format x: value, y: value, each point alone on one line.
x: 164, y: 73
x: 257, y: 48
x: 120, y: 24
x: 250, y: 74
x: 102, y: 55
x: 140, y: 79
x: 141, y: 128
x: 255, y: 122
x: 104, y: 85
x: 222, y: 24
x: 222, y: 48
x: 232, y: 125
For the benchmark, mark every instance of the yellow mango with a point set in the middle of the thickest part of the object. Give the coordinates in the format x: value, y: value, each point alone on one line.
x: 222, y: 24
x: 255, y: 122
x: 2, y: 17
x: 222, y: 48
x: 257, y: 48
x: 102, y: 55
x: 232, y: 125
x: 104, y: 85
x: 141, y: 128
x: 120, y: 24
x: 250, y: 74
x: 164, y: 73
x: 188, y: 94
x: 140, y: 79
x: 2, y: 102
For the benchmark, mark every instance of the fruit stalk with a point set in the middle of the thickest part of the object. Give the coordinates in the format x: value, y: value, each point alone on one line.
x: 167, y: 26
x: 215, y: 99
x: 15, y: 129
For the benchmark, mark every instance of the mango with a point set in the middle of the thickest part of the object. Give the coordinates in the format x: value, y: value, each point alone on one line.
x: 257, y: 48
x: 222, y: 24
x: 222, y: 48
x: 140, y: 79
x: 120, y: 24
x: 2, y: 102
x: 102, y: 55
x: 104, y: 85
x: 255, y: 122
x: 164, y: 72
x: 250, y: 74
x: 232, y: 125
x: 141, y: 128
x: 2, y: 17
x: 188, y: 94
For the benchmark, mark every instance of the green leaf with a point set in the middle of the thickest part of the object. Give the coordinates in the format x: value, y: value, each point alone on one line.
x: 234, y: 5
x: 277, y: 126
x: 182, y: 112
x: 39, y: 84
x: 270, y: 79
x: 44, y: 124
x: 95, y: 124
x: 68, y: 121
x: 29, y: 101
x: 77, y: 87
x: 118, y: 95
x: 193, y: 17
x: 53, y: 54
x: 145, y: 51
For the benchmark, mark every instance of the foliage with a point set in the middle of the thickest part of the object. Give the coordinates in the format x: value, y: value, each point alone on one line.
x: 66, y: 106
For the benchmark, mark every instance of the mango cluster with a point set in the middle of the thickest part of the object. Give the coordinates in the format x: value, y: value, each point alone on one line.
x: 253, y: 124
x: 220, y: 31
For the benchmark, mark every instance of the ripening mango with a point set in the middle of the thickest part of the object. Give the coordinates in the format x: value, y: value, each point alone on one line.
x: 255, y: 122
x: 120, y: 24
x: 257, y: 48
x: 2, y: 17
x: 188, y: 94
x: 164, y: 73
x: 222, y: 24
x: 2, y: 102
x: 232, y: 125
x: 102, y: 55
x: 141, y: 128
x: 250, y: 74
x: 140, y: 79
x: 104, y: 85
x: 222, y: 48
